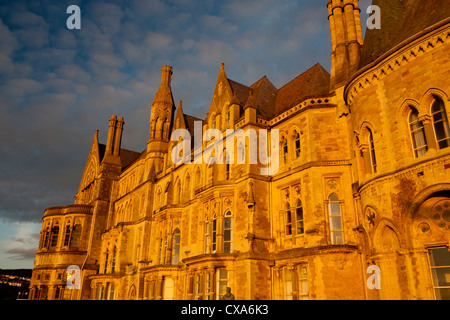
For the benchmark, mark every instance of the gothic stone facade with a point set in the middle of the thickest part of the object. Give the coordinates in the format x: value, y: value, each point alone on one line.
x: 363, y: 179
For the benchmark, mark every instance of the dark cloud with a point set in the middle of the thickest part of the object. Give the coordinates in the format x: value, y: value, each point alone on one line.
x: 58, y: 85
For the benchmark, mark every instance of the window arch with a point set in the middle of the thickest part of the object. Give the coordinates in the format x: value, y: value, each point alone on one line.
x: 105, y: 267
x: 227, y: 232
x: 299, y: 217
x: 176, y: 246
x: 214, y: 234
x: 55, y: 234
x: 284, y: 150
x: 440, y: 123
x: 297, y: 144
x: 417, y: 131
x: 198, y: 176
x: 207, y: 235
x: 288, y: 219
x: 241, y: 153
x: 335, y: 216
x: 178, y: 192
x: 373, y: 159
x: 113, y: 262
x: 76, y: 234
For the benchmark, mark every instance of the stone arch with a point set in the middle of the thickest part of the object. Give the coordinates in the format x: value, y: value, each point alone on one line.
x: 427, y: 99
x: 132, y: 292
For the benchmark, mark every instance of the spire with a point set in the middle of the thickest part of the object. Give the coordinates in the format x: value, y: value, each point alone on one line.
x: 162, y: 108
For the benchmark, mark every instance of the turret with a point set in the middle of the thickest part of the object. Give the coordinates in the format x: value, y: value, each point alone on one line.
x: 346, y: 40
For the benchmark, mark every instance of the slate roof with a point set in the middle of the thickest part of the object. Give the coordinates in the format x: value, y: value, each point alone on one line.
x: 400, y: 20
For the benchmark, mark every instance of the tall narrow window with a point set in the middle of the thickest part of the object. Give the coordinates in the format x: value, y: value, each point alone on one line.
x: 285, y: 151
x: 161, y: 249
x: 76, y: 234
x: 46, y: 237
x: 299, y: 217
x: 55, y: 233
x: 214, y: 234
x: 105, y: 268
x: 297, y: 145
x: 179, y: 192
x: 303, y: 283
x: 222, y: 282
x: 417, y: 134
x: 373, y: 159
x: 207, y: 235
x: 288, y: 219
x: 176, y: 247
x: 67, y: 234
x: 228, y: 115
x: 227, y: 232
x: 336, y: 230
x: 440, y: 122
x: 241, y: 153
x: 440, y: 272
x: 227, y: 167
x: 113, y: 262
x: 289, y: 284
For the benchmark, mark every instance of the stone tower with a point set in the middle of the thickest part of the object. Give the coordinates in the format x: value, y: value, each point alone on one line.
x: 161, y: 119
x: 346, y: 40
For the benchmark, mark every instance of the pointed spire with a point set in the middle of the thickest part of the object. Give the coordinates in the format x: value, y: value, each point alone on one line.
x: 179, y: 117
x: 163, y: 96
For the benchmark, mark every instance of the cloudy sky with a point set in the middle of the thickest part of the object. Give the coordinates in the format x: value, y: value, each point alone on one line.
x: 58, y: 85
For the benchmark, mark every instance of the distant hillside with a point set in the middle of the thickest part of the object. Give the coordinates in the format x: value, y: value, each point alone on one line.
x: 17, y: 272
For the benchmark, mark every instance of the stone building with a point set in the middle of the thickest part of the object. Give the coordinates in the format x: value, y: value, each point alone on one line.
x: 363, y: 182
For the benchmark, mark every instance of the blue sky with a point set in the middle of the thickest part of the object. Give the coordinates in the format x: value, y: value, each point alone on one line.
x: 58, y: 85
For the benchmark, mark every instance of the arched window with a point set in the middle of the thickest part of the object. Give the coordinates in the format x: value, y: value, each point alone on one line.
x: 227, y: 232
x: 188, y: 182
x: 334, y: 211
x: 417, y: 134
x: 197, y: 177
x: 46, y: 237
x: 176, y: 246
x: 178, y: 190
x: 241, y: 153
x: 214, y: 234
x: 373, y: 159
x: 207, y: 235
x: 440, y: 123
x: 227, y: 166
x: 288, y: 219
x: 297, y: 144
x: 76, y: 234
x: 55, y: 234
x: 299, y: 217
x: 113, y: 262
x: 105, y: 268
x: 67, y: 234
x: 284, y: 150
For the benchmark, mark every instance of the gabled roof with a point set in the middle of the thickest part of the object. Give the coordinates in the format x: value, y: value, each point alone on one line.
x: 314, y: 82
x: 400, y: 20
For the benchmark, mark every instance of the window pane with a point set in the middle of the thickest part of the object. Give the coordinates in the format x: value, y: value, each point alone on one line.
x: 336, y: 223
x: 337, y: 237
x: 335, y: 208
x: 439, y: 257
x: 227, y: 235
x: 442, y: 293
x: 227, y: 223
